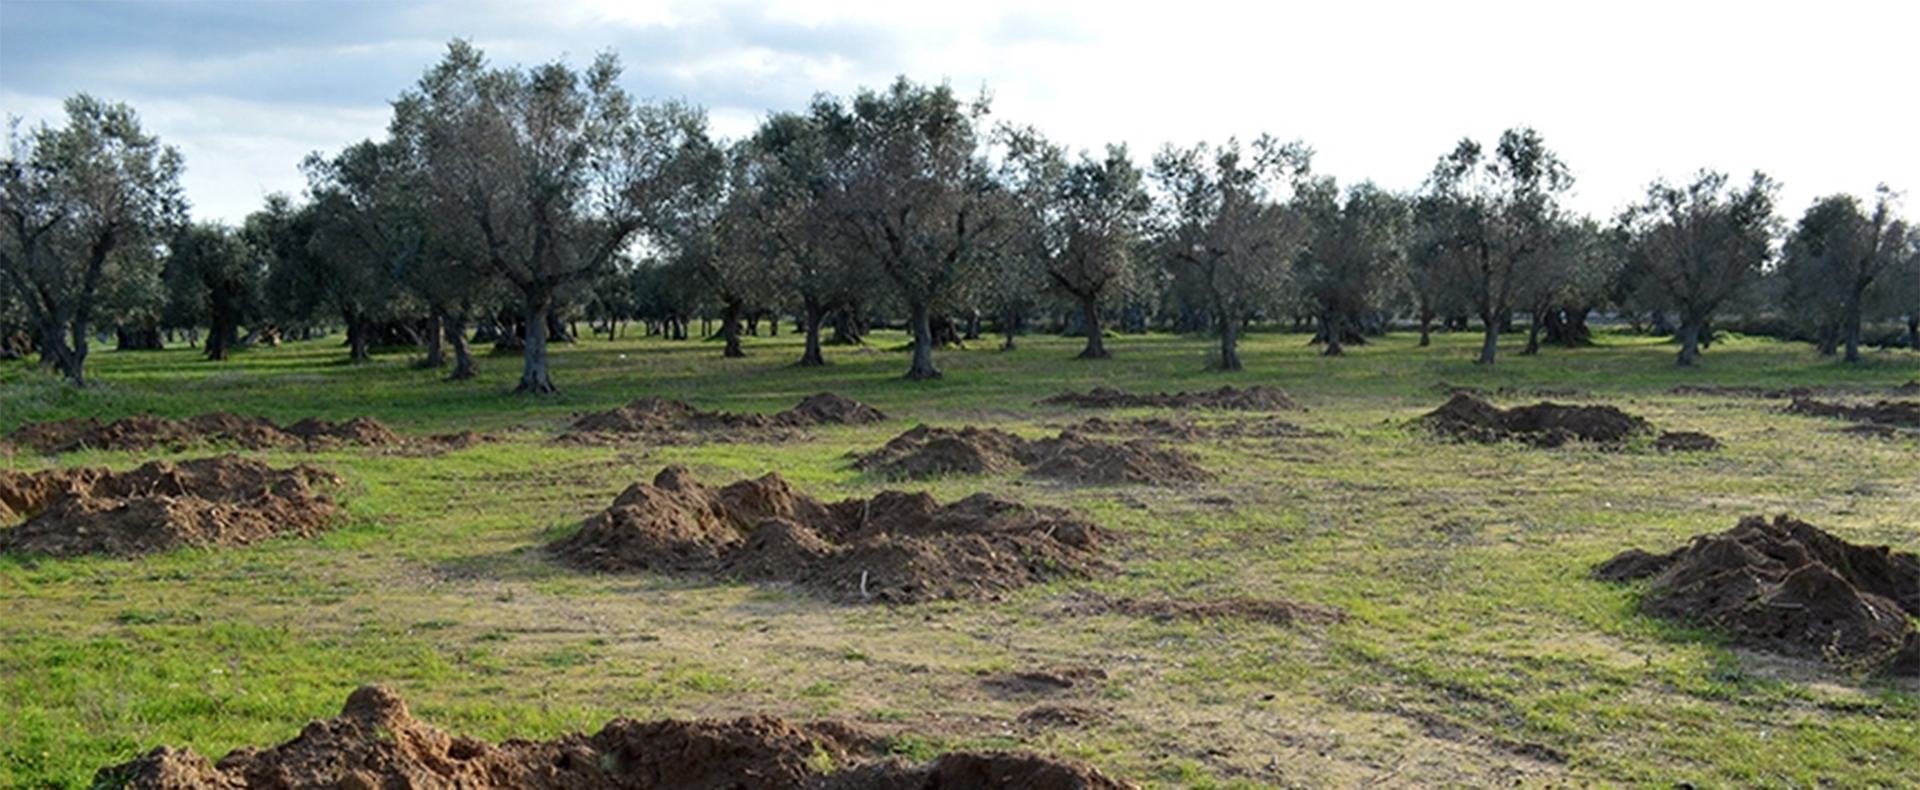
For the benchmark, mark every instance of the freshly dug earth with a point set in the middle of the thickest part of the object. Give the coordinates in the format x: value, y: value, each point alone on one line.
x: 141, y: 432
x: 227, y: 500
x: 661, y: 417
x: 1281, y: 613
x: 1897, y: 413
x: 1685, y: 442
x: 928, y: 452
x: 1790, y: 587
x: 1545, y: 424
x: 896, y: 547
x: 375, y: 743
x: 1256, y: 398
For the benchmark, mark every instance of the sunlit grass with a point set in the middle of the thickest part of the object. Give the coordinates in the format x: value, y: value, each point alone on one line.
x: 1475, y: 646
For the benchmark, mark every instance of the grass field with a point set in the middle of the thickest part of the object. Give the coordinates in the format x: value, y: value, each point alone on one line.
x: 1477, y: 652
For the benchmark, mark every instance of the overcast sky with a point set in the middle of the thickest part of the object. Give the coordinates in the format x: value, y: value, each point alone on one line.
x: 1825, y: 97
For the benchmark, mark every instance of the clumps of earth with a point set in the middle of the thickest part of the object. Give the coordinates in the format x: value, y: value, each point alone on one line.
x: 1547, y: 424
x: 927, y: 451
x: 1790, y: 587
x: 161, y: 506
x: 1276, y: 612
x: 376, y: 743
x: 1880, y: 418
x: 662, y: 419
x: 1188, y: 430
x: 894, y: 548
x: 141, y: 432
x: 1255, y: 398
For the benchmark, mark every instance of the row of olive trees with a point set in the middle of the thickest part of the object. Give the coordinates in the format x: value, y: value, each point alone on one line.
x: 517, y: 198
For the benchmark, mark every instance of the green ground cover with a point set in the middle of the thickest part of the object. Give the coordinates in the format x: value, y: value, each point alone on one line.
x: 1477, y: 650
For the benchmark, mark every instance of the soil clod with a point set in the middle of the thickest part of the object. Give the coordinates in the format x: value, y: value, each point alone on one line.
x: 1255, y: 398
x: 141, y: 432
x: 1894, y: 413
x: 1545, y: 424
x: 1786, y: 586
x: 161, y: 506
x: 1685, y: 442
x: 894, y: 548
x: 376, y: 743
x: 927, y: 451
x: 662, y: 419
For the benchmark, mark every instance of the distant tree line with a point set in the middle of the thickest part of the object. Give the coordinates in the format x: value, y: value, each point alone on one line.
x: 507, y: 206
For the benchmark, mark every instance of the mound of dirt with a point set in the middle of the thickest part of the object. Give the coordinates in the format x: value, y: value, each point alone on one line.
x: 895, y: 548
x: 1897, y: 413
x: 1786, y: 586
x: 1268, y: 611
x: 142, y: 431
x: 1255, y: 398
x: 661, y: 418
x: 376, y: 743
x: 927, y: 452
x: 1685, y: 442
x: 160, y: 506
x: 1545, y: 424
x: 1725, y: 391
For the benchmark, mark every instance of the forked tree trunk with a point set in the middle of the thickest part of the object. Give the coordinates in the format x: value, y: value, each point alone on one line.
x: 1096, y: 337
x: 730, y: 330
x: 463, y: 365
x: 1490, y: 344
x: 922, y: 368
x: 533, y: 374
x: 436, y: 341
x: 1229, y: 342
x: 811, y: 356
x: 1689, y: 342
x: 1335, y: 328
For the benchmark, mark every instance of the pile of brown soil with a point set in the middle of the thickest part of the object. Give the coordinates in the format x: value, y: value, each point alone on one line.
x: 1787, y: 586
x: 1268, y: 611
x: 1685, y: 442
x: 1255, y: 398
x: 375, y: 743
x: 141, y: 432
x: 1545, y: 424
x: 1897, y: 413
x: 160, y: 506
x: 660, y: 417
x: 896, y: 547
x: 927, y: 452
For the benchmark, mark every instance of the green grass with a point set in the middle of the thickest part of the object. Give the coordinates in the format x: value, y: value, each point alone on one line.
x: 1477, y: 652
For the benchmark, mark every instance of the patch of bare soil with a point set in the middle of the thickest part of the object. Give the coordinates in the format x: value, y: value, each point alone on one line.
x: 142, y: 431
x: 1072, y: 457
x: 375, y: 743
x: 896, y: 547
x: 1893, y: 413
x: 1283, y: 613
x: 1510, y: 392
x: 1025, y: 684
x: 1685, y: 442
x: 1255, y: 398
x: 227, y: 500
x: 1187, y: 430
x: 663, y: 420
x: 1545, y: 424
x: 1790, y: 587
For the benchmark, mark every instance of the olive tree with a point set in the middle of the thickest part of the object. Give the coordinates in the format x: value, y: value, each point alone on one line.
x: 1223, y: 230
x: 1697, y: 246
x: 554, y: 171
x: 70, y: 197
